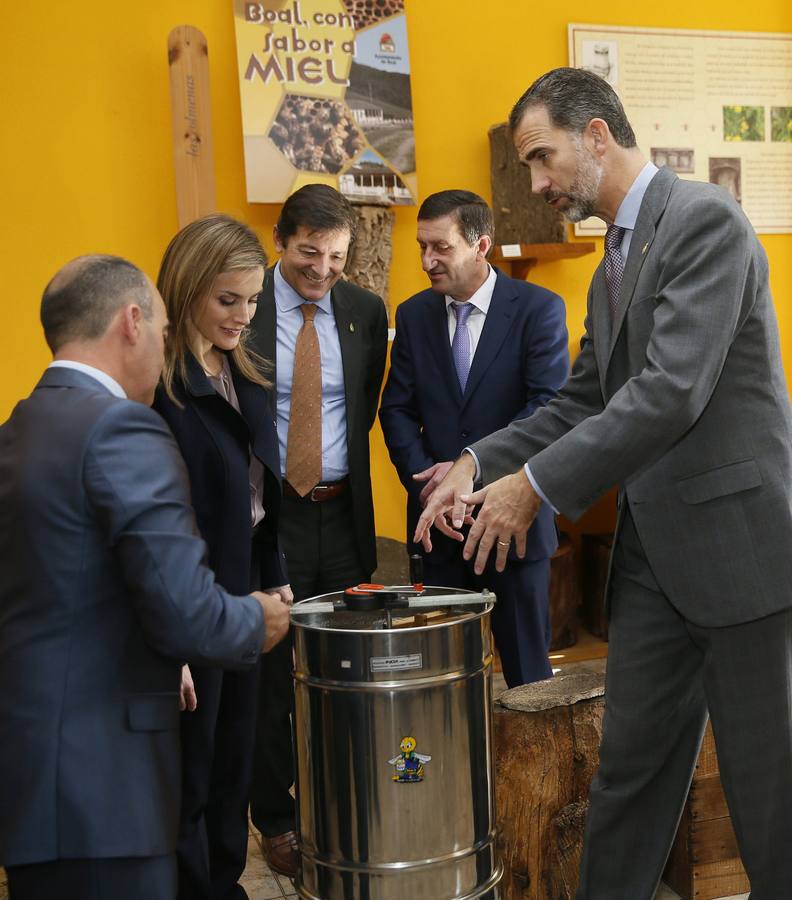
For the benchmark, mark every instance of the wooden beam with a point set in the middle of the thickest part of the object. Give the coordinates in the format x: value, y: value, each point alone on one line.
x: 191, y: 118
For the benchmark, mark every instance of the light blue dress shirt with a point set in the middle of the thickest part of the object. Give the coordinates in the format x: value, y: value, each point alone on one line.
x: 335, y: 460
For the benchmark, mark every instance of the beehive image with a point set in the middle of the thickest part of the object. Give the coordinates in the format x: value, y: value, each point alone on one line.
x: 315, y: 135
x: 368, y: 12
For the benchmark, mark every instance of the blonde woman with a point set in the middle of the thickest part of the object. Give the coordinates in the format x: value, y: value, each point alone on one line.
x: 214, y: 397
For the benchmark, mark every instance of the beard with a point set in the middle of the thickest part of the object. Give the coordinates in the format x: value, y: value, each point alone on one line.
x: 582, y: 193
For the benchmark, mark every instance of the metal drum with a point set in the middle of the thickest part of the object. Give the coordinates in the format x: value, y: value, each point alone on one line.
x: 393, y: 738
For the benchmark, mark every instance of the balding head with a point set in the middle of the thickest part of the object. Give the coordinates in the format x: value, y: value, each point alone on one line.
x: 81, y: 300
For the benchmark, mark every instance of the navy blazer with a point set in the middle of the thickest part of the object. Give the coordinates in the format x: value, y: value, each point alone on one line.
x: 521, y: 360
x: 215, y: 441
x: 102, y: 597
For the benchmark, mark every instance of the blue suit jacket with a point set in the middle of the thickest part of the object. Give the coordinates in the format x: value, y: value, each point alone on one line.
x: 521, y: 360
x: 103, y: 594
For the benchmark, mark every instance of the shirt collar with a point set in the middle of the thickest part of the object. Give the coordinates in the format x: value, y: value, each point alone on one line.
x: 483, y: 296
x: 287, y: 298
x: 97, y: 374
x: 627, y: 214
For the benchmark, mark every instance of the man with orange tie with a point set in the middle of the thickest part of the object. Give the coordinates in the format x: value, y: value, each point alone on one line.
x: 328, y: 341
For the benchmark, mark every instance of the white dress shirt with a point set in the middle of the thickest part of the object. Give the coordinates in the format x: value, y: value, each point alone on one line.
x: 481, y: 302
x: 97, y: 374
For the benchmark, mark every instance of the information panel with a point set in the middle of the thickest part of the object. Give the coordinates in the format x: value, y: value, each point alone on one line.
x: 325, y: 90
x: 712, y: 105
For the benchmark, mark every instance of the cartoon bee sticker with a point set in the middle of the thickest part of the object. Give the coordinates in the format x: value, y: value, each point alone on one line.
x: 409, y: 765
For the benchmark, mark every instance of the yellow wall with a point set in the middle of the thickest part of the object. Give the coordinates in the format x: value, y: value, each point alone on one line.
x: 85, y: 154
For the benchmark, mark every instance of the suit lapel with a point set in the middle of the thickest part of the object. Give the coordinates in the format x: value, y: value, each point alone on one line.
x: 652, y: 207
x: 349, y: 337
x: 439, y: 345
x: 496, y: 327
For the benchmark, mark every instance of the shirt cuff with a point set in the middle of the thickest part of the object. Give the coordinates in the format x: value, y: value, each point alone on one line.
x: 477, y: 476
x: 536, y: 487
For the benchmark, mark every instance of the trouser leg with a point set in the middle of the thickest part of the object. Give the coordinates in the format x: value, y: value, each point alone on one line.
x: 748, y: 682
x: 655, y: 714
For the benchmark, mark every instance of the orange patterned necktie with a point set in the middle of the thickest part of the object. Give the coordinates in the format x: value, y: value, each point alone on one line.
x: 304, y: 442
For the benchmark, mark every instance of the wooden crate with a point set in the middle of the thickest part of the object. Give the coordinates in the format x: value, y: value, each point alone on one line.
x: 595, y: 551
x: 704, y: 862
x: 564, y: 596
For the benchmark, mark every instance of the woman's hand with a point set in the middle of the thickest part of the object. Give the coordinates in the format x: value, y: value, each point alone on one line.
x: 187, y: 698
x: 284, y: 592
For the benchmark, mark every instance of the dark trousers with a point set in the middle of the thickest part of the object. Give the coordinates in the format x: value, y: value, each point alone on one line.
x: 663, y: 674
x: 322, y: 556
x: 127, y: 878
x: 520, y: 619
x: 218, y: 741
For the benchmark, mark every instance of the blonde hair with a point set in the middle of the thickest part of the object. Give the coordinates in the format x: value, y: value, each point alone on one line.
x: 200, y: 252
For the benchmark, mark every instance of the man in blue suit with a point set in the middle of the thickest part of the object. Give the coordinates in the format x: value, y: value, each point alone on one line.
x: 103, y: 595
x: 472, y: 353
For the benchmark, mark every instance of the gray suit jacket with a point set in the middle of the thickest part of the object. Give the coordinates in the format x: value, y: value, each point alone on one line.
x: 102, y: 596
x: 683, y: 404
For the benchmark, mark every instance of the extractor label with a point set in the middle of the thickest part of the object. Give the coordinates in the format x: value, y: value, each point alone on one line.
x: 396, y: 663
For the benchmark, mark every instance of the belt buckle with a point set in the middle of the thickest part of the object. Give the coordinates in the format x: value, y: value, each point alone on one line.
x: 318, y: 487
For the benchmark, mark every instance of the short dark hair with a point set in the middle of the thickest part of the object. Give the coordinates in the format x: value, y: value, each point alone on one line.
x: 317, y: 207
x: 471, y: 212
x: 80, y: 305
x: 572, y: 98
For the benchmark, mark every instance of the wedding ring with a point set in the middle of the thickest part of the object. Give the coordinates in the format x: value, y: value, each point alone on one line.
x: 503, y: 543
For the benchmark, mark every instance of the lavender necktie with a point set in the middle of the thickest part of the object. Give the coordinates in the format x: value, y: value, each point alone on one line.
x: 614, y: 264
x: 460, y: 346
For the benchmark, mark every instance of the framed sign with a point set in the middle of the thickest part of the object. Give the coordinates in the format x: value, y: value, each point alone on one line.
x: 711, y: 105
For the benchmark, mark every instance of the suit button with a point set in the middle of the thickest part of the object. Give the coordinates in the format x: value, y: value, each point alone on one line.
x: 465, y: 433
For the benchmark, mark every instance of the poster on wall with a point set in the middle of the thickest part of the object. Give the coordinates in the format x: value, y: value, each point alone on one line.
x: 325, y: 92
x: 711, y: 105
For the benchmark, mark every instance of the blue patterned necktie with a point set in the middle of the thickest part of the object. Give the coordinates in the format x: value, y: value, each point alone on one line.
x: 614, y: 264
x: 460, y: 346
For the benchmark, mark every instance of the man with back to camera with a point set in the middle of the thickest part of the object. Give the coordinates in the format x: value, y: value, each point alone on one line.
x: 103, y: 593
x: 328, y: 340
x: 678, y: 397
x: 471, y: 354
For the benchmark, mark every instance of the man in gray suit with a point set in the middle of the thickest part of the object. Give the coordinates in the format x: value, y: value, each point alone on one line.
x: 678, y: 397
x: 103, y: 594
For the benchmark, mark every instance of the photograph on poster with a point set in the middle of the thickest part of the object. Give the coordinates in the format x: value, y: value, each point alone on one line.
x: 602, y: 58
x: 781, y: 123
x: 676, y: 158
x: 726, y: 171
x: 743, y: 123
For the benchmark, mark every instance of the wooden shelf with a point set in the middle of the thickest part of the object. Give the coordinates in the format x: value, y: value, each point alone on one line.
x: 531, y: 254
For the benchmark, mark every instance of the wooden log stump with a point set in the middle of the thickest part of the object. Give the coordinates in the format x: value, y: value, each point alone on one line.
x: 370, y: 254
x: 547, y: 737
x: 595, y: 551
x: 520, y: 216
x: 564, y: 596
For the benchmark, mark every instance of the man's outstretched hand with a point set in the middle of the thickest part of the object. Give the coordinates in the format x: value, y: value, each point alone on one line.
x: 445, y: 509
x: 508, y: 508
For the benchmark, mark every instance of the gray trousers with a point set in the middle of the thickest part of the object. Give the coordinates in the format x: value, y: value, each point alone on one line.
x: 664, y: 673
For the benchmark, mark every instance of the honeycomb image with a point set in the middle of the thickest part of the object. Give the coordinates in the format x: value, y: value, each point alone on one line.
x: 368, y: 12
x: 315, y: 135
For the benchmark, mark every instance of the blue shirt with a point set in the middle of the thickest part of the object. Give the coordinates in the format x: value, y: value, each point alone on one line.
x: 335, y: 463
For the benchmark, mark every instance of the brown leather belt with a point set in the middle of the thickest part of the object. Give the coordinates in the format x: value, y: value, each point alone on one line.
x: 322, y: 491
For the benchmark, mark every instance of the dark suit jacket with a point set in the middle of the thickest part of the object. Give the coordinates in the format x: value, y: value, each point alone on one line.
x: 215, y: 442
x: 683, y: 403
x: 521, y: 360
x: 103, y: 595
x: 362, y: 324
